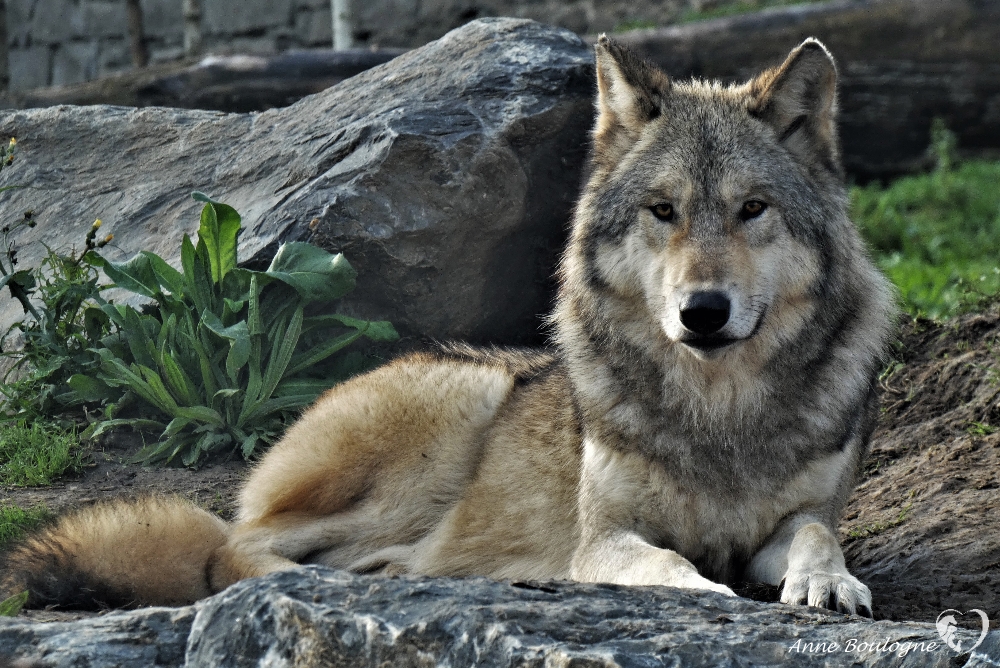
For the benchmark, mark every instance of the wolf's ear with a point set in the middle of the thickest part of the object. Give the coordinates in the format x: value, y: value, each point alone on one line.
x: 799, y: 100
x: 630, y: 92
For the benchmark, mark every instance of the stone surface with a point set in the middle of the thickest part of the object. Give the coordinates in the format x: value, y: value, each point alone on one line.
x: 150, y: 637
x: 445, y: 176
x: 317, y: 617
x: 902, y: 63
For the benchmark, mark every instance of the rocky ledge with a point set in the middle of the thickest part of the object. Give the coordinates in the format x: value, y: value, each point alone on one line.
x: 319, y: 617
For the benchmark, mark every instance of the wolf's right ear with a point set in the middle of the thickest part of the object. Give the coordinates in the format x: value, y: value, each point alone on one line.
x: 799, y: 100
x: 630, y: 93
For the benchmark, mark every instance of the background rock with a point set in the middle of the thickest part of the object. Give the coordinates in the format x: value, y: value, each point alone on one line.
x: 318, y: 617
x: 446, y: 176
x: 220, y: 83
x: 902, y: 62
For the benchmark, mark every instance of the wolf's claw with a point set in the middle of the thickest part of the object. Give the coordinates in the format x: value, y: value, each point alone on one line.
x: 834, y: 591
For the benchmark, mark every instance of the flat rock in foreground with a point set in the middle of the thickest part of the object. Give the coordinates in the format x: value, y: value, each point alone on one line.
x: 318, y: 617
x: 446, y: 177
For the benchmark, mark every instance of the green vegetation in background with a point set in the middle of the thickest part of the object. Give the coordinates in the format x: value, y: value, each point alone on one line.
x: 937, y: 235
x: 228, y: 357
x: 17, y: 522
x: 739, y: 7
x: 62, y: 321
x: 225, y: 357
x: 35, y: 454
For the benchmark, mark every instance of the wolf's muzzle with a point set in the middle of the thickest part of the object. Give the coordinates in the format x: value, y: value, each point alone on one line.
x: 705, y: 313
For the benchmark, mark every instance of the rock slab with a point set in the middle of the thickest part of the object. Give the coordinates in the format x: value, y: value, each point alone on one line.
x: 314, y: 616
x: 446, y: 176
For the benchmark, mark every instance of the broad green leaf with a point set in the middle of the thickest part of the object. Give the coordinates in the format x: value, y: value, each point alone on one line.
x: 162, y: 394
x: 220, y: 227
x: 321, y: 352
x: 23, y: 278
x: 233, y: 332
x: 281, y: 354
x: 181, y: 385
x: 12, y: 606
x: 201, y: 414
x: 91, y: 389
x: 315, y: 274
x: 279, y: 404
x: 302, y: 386
x: 135, y: 275
x: 239, y: 355
x: 204, y: 283
x: 176, y: 426
x: 137, y: 338
x: 253, y: 308
x: 166, y: 276
x: 249, y: 444
x: 376, y: 330
x: 98, y: 428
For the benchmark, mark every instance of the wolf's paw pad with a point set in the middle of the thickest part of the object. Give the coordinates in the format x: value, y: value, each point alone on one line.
x: 835, y: 591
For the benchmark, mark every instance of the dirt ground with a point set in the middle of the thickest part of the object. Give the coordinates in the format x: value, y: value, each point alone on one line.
x: 922, y: 529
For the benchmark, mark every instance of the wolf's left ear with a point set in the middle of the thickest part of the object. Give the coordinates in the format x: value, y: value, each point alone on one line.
x: 630, y: 93
x: 799, y: 100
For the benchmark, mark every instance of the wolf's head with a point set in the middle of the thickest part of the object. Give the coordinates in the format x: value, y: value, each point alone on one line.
x: 718, y: 211
x: 712, y: 237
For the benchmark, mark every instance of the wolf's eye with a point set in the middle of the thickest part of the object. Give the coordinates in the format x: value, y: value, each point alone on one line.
x: 663, y: 211
x: 752, y: 209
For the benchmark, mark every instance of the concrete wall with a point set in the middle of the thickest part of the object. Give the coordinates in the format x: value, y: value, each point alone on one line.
x: 56, y: 42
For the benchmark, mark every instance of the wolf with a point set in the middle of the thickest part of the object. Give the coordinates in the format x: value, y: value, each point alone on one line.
x: 699, y: 420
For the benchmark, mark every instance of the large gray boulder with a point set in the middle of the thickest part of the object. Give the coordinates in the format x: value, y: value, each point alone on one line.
x: 317, y: 617
x: 446, y: 177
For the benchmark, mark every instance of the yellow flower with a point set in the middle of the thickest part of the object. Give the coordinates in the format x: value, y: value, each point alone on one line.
x: 97, y: 224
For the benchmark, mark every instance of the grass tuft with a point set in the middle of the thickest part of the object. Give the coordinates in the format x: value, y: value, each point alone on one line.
x: 36, y: 454
x: 16, y: 522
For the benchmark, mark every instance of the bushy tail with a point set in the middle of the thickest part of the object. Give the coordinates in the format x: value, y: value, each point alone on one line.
x: 151, y: 551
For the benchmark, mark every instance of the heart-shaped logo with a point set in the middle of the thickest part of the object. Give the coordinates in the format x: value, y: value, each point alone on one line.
x: 947, y: 626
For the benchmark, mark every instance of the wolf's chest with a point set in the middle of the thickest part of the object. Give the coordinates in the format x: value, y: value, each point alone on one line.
x: 720, y: 530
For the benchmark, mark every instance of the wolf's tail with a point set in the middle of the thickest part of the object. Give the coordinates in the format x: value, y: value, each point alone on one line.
x: 151, y: 551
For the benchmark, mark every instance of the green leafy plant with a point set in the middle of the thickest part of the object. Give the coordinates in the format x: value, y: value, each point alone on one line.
x: 35, y: 453
x: 59, y: 334
x: 937, y: 235
x: 62, y: 321
x: 228, y: 355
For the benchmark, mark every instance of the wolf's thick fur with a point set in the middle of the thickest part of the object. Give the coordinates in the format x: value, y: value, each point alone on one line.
x: 719, y: 328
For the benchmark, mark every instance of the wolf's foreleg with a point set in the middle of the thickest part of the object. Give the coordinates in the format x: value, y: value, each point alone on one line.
x: 804, y: 555
x: 625, y: 558
x: 611, y: 549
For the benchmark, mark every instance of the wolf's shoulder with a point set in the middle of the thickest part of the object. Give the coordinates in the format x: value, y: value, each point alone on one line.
x: 523, y: 364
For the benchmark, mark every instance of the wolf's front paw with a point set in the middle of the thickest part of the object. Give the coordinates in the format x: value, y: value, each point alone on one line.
x: 836, y: 591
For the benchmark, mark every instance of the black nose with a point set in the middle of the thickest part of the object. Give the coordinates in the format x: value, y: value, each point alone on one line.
x: 705, y: 313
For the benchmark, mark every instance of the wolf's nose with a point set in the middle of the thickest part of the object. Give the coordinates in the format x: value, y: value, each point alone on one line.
x: 705, y: 313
